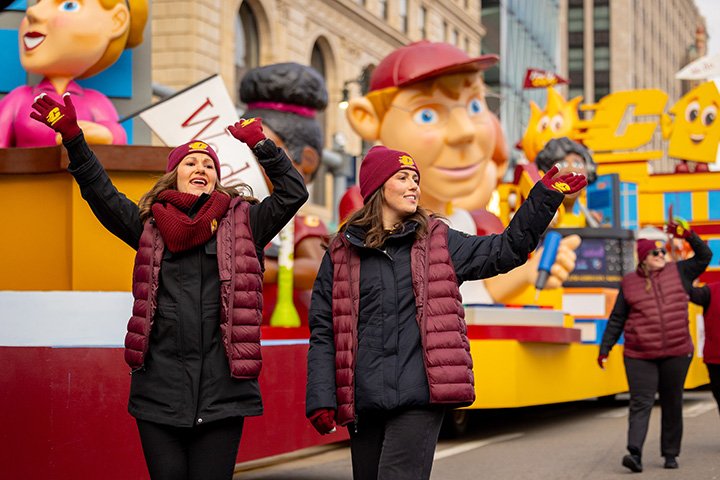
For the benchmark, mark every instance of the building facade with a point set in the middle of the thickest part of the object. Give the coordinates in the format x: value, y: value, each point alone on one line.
x: 630, y: 44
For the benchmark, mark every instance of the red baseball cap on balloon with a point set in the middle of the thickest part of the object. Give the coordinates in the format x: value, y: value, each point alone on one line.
x: 423, y: 60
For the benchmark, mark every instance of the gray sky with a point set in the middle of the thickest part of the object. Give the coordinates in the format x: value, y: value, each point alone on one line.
x: 710, y: 9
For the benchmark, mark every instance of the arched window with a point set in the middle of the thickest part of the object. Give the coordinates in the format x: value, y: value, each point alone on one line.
x: 317, y: 61
x: 247, y: 43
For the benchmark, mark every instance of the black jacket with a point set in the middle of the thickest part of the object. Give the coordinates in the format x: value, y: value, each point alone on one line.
x: 186, y: 379
x: 389, y: 370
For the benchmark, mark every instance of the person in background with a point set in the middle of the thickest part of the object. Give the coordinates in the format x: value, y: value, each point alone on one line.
x: 193, y: 341
x: 288, y: 97
x: 708, y: 297
x: 388, y: 342
x: 652, y: 311
x: 62, y: 42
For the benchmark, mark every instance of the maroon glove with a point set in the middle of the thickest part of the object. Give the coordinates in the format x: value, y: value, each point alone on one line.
x: 249, y: 131
x: 567, y: 183
x: 601, y: 360
x: 323, y: 419
x: 678, y: 227
x: 61, y: 118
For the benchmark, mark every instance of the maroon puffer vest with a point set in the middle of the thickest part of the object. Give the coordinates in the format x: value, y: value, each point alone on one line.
x: 240, y: 293
x: 440, y: 316
x: 657, y: 325
x: 711, y: 351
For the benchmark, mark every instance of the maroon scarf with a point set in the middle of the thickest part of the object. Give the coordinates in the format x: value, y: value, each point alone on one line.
x: 180, y: 232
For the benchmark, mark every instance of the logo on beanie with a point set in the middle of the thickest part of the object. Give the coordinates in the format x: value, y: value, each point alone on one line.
x: 247, y: 122
x: 406, y: 160
x: 659, y: 244
x: 198, y: 146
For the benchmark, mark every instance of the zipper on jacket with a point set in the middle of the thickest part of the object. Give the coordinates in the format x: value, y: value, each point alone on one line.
x: 141, y: 368
x: 660, y: 313
x: 355, y: 423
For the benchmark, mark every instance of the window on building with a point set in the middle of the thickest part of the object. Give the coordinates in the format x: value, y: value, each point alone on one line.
x: 422, y: 20
x: 382, y: 9
x: 317, y: 61
x: 467, y: 45
x: 446, y: 32
x: 601, y: 58
x: 575, y: 20
x: 575, y: 59
x: 601, y: 17
x: 454, y: 39
x: 403, y: 14
x: 247, y: 43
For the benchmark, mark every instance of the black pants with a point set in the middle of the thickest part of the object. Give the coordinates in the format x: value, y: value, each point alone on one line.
x: 395, y: 445
x: 646, y: 377
x: 714, y: 372
x: 204, y: 452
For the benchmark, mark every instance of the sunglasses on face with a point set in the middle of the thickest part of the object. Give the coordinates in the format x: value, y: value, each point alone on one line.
x: 658, y: 252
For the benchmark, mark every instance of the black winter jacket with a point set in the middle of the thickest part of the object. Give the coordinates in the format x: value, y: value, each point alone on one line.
x: 389, y: 370
x: 186, y: 380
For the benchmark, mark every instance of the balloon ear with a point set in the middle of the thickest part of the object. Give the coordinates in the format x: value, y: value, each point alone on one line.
x: 363, y: 118
x: 120, y: 20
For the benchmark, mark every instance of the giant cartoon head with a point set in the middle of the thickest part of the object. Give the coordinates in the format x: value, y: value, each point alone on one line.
x: 559, y: 119
x: 695, y: 131
x: 428, y: 99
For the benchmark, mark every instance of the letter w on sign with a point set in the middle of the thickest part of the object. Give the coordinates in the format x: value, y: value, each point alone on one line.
x: 202, y: 112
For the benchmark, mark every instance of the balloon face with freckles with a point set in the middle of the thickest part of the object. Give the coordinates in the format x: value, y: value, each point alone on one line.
x: 66, y: 37
x: 696, y: 129
x: 196, y: 174
x: 445, y: 125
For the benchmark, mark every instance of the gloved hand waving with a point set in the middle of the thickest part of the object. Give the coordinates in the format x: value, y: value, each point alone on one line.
x: 249, y: 131
x: 566, y: 183
x: 59, y: 117
x: 678, y: 227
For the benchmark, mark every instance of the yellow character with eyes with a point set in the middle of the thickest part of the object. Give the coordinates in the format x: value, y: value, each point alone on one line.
x: 694, y: 133
x: 559, y: 119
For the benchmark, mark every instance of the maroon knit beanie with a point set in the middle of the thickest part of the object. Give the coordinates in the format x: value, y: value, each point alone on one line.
x: 380, y: 164
x: 645, y: 246
x: 180, y: 152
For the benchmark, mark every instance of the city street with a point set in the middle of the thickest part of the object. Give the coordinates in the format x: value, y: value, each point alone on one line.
x: 581, y: 440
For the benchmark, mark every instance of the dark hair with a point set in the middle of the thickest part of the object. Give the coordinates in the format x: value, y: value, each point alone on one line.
x: 293, y: 84
x: 370, y: 217
x: 558, y: 148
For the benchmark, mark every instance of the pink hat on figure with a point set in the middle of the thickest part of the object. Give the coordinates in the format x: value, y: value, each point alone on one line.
x: 422, y: 60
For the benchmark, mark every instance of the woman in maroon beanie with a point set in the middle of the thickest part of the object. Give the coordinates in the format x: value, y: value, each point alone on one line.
x: 193, y: 340
x: 652, y: 310
x: 388, y: 346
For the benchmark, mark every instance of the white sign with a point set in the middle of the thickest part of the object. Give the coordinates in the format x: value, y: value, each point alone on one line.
x: 203, y: 112
x: 704, y: 68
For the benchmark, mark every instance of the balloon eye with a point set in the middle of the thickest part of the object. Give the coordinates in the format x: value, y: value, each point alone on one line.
x: 426, y: 116
x: 557, y: 123
x: 474, y: 107
x: 692, y: 111
x: 709, y: 115
x: 543, y: 124
x: 69, y: 6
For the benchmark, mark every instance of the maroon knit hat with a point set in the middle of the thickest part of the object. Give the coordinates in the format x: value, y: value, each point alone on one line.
x: 645, y: 246
x: 380, y: 164
x: 180, y: 152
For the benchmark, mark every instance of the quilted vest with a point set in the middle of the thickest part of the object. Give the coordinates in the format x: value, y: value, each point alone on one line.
x: 241, y: 282
x: 440, y: 316
x: 711, y: 351
x: 657, y: 325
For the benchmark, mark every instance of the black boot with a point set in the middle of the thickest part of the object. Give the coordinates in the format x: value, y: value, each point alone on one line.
x: 633, y: 462
x: 670, y: 462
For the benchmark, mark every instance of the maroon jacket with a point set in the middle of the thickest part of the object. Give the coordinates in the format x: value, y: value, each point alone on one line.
x: 241, y: 301
x: 440, y: 317
x: 708, y: 297
x: 657, y: 325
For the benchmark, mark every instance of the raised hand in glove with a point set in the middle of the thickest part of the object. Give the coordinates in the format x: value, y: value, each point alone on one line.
x: 59, y: 117
x: 602, y: 360
x: 249, y: 131
x: 323, y: 419
x: 678, y: 227
x: 567, y: 183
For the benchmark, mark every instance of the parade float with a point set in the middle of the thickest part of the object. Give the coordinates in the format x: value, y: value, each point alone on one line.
x: 65, y: 297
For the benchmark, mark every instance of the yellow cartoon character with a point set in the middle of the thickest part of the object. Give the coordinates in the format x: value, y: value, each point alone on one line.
x: 694, y: 133
x: 559, y: 119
